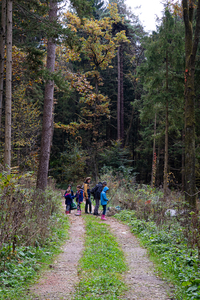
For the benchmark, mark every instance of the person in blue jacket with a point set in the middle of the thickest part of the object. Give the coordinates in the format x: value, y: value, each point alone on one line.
x: 104, y: 199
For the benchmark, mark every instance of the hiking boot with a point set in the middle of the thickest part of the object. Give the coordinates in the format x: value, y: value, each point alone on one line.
x: 67, y: 212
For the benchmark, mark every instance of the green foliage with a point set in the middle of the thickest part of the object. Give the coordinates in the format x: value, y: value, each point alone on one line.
x: 178, y: 262
x: 115, y: 156
x: 163, y: 49
x: 70, y: 165
x: 101, y: 265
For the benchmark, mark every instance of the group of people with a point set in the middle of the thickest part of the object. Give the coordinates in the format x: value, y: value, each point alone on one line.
x: 84, y: 193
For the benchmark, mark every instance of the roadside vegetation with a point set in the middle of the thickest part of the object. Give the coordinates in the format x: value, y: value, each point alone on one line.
x: 102, y: 264
x: 32, y: 229
x: 167, y: 228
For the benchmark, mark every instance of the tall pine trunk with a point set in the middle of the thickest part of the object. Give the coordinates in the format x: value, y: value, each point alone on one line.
x: 191, y: 45
x: 118, y: 97
x: 48, y: 108
x: 121, y: 96
x: 2, y: 51
x: 8, y: 102
x: 183, y: 162
x: 166, y: 132
x: 154, y: 152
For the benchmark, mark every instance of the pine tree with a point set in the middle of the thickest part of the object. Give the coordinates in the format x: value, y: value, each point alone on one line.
x: 2, y: 53
x: 161, y: 72
x: 7, y: 153
x: 191, y: 45
x: 47, y: 125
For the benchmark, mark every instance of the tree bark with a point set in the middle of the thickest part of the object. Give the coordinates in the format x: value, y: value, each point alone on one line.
x: 183, y: 162
x: 191, y: 45
x: 2, y: 51
x: 129, y: 128
x: 166, y: 133
x: 121, y: 96
x: 118, y: 98
x: 8, y: 102
x: 48, y: 108
x: 154, y: 150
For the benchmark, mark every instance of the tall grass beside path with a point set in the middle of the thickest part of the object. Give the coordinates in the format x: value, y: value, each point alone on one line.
x: 102, y: 264
x: 33, y: 227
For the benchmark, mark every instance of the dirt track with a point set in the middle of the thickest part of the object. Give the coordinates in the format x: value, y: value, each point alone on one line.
x: 60, y: 280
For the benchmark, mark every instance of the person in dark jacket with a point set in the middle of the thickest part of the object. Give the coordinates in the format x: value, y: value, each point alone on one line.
x: 68, y: 201
x: 96, y: 192
x: 87, y: 195
x: 79, y: 199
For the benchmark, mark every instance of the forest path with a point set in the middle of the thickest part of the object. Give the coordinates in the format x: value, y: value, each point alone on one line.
x: 60, y: 280
x: 141, y: 280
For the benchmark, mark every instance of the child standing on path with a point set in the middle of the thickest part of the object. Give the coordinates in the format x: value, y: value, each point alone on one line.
x: 79, y: 199
x: 71, y: 192
x: 68, y: 201
x: 104, y: 199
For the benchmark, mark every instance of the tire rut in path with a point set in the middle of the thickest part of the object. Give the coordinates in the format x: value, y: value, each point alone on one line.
x: 59, y: 282
x: 141, y: 281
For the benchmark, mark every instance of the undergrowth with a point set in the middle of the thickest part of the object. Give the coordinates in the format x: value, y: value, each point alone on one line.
x: 168, y: 247
x: 22, y: 257
x: 101, y: 266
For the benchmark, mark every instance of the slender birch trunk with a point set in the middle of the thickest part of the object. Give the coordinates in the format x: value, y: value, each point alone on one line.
x: 7, y: 153
x: 48, y: 108
x: 2, y: 52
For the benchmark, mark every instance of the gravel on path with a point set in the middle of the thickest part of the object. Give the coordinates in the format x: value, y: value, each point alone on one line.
x: 141, y: 280
x: 60, y: 280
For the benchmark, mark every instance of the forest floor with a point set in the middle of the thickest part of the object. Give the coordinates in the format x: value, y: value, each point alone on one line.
x: 60, y: 280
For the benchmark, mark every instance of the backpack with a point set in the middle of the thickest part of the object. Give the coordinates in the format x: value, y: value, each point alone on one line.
x: 98, y: 191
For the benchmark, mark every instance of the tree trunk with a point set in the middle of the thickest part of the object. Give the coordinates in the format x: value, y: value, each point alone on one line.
x: 153, y: 159
x: 121, y: 96
x: 2, y: 51
x: 183, y: 162
x: 166, y: 133
x: 118, y: 98
x: 191, y: 45
x: 7, y: 154
x: 129, y: 128
x: 48, y: 108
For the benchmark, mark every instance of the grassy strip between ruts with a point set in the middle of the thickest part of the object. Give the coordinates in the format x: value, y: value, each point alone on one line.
x: 23, y: 266
x: 168, y: 249
x: 102, y: 264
